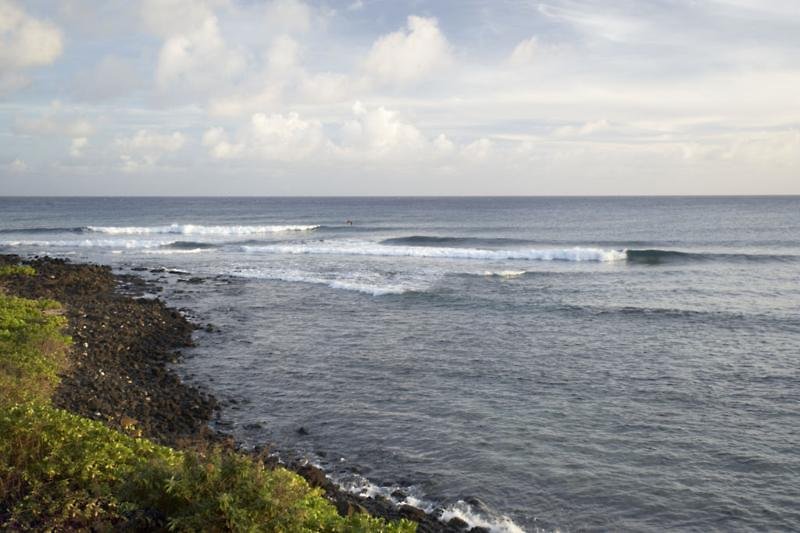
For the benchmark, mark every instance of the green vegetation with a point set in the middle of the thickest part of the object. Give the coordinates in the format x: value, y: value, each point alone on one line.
x: 61, y: 471
x: 32, y: 349
x: 18, y: 270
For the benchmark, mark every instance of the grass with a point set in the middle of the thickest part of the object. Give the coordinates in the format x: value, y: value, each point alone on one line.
x: 60, y: 471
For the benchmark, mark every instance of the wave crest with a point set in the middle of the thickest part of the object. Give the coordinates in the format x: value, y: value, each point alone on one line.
x: 197, y: 229
x: 373, y: 249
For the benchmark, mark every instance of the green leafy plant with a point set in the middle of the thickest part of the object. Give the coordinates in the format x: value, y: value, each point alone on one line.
x: 17, y: 270
x: 60, y: 471
x: 32, y: 349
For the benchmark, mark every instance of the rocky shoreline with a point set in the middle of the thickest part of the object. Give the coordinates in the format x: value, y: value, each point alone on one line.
x: 120, y: 374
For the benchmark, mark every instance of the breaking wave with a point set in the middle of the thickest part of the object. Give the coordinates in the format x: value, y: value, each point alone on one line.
x: 197, y: 229
x: 505, y: 273
x: 364, y: 284
x: 372, y: 249
x: 470, y: 514
x: 92, y: 243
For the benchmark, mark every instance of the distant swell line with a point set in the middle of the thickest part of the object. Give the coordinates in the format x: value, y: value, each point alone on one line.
x: 43, y: 230
x: 197, y: 229
x: 655, y: 257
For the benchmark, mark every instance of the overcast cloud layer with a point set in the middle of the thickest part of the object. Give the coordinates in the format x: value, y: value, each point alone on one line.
x: 453, y: 97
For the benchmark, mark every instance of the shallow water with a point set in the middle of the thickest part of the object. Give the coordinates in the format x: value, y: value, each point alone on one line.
x: 553, y: 363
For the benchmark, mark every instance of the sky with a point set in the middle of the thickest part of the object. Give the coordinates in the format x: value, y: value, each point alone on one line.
x: 369, y: 97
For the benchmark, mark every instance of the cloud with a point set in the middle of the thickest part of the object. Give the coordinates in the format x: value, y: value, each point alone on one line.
x: 77, y: 146
x: 288, y: 16
x: 17, y: 166
x: 25, y: 42
x: 275, y: 137
x: 408, y: 56
x: 145, y: 148
x: 166, y: 18
x: 478, y: 150
x: 378, y: 132
x: 53, y: 125
x: 524, y: 53
x: 598, y: 22
x: 194, y: 58
x: 587, y: 128
x: 197, y: 60
x: 374, y: 134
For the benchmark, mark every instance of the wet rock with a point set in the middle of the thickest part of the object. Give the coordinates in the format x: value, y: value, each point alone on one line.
x: 413, y: 513
x: 312, y: 474
x: 457, y: 523
x: 399, y: 495
x: 347, y: 507
x: 302, y: 431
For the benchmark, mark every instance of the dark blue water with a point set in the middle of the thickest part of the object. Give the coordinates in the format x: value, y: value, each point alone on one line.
x: 553, y: 363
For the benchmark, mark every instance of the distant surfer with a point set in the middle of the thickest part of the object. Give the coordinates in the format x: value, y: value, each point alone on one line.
x: 349, y: 222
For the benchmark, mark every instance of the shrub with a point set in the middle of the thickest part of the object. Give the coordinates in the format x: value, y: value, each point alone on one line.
x: 17, y: 270
x: 32, y: 349
x: 63, y: 471
x: 60, y: 471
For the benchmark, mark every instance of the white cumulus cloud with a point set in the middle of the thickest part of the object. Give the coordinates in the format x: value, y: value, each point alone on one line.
x: 278, y: 137
x: 145, y: 148
x: 77, y: 146
x: 408, y: 55
x: 25, y: 42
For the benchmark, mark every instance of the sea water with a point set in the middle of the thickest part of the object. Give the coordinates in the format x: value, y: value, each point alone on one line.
x: 521, y: 363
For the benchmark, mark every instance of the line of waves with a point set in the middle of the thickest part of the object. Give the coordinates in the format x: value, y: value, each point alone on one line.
x: 43, y: 230
x: 171, y: 229
x: 208, y: 237
x: 424, y: 240
x: 197, y: 229
x: 127, y: 244
x: 354, y: 248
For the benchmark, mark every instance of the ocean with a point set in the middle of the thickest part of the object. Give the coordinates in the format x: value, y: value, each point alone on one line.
x: 522, y: 363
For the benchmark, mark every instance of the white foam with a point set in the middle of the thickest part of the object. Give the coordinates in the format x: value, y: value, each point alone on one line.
x: 198, y: 229
x: 505, y: 273
x: 175, y: 252
x: 93, y: 243
x: 372, y: 285
x: 461, y: 509
x: 362, y: 248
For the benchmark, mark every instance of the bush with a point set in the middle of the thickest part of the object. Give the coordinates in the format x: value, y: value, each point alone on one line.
x: 32, y: 349
x: 60, y: 471
x: 17, y: 270
x: 65, y: 471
